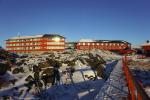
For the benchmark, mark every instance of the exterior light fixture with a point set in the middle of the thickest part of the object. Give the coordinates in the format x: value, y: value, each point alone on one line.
x: 56, y: 39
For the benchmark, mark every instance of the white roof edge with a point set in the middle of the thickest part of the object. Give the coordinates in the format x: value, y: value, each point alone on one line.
x: 25, y: 37
x: 86, y: 40
x: 146, y: 44
x: 136, y: 46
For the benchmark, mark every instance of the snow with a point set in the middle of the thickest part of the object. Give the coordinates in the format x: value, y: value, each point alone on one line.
x: 148, y: 91
x: 72, y: 87
x: 82, y: 91
x: 8, y: 76
x: 140, y: 69
x: 115, y: 87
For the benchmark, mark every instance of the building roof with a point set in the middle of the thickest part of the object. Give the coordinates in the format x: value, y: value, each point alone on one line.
x: 146, y: 44
x: 113, y: 41
x: 86, y: 40
x: 52, y: 35
x: 136, y: 47
x: 36, y: 36
x: 106, y: 41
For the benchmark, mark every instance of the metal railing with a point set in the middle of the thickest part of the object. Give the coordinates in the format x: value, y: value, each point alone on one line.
x: 136, y: 91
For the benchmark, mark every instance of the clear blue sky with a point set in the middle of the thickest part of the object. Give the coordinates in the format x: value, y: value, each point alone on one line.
x: 75, y: 19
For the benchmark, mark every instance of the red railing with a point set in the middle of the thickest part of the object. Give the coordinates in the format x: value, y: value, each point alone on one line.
x: 136, y: 91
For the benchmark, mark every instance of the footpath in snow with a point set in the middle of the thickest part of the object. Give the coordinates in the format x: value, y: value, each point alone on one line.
x: 115, y: 87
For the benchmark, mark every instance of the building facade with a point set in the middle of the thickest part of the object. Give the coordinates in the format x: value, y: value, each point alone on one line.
x: 36, y: 44
x: 111, y: 45
x: 146, y: 48
x: 71, y: 45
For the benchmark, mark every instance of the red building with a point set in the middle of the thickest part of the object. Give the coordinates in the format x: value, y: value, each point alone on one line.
x: 35, y: 44
x: 146, y: 48
x: 111, y: 45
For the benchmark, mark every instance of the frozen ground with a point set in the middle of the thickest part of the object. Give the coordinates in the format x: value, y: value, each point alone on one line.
x: 81, y: 88
x: 141, y: 71
x: 72, y: 87
x: 115, y: 87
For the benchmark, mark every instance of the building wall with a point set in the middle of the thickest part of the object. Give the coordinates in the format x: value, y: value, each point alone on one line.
x: 35, y: 45
x: 102, y: 45
x: 70, y: 45
x: 146, y: 49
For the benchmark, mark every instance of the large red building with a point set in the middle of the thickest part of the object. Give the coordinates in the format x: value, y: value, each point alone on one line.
x: 35, y: 44
x: 111, y: 45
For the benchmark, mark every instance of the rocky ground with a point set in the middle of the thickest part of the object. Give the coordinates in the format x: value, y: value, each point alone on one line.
x: 81, y: 74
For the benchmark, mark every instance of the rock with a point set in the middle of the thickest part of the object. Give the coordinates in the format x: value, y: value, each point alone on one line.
x: 16, y: 71
x: 3, y: 68
x: 29, y: 78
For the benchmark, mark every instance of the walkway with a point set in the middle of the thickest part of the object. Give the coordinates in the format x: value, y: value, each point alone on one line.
x: 115, y: 87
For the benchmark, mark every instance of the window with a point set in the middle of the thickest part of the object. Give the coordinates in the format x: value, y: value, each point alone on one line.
x: 37, y: 47
x: 30, y: 48
x: 55, y: 43
x: 33, y: 43
x: 55, y: 47
x: 56, y: 39
x: 83, y: 43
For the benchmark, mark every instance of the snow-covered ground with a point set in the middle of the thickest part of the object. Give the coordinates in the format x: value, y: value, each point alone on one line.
x: 140, y: 68
x: 115, y: 87
x: 71, y: 87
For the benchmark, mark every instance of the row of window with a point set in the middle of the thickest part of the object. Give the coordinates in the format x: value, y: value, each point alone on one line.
x: 55, y: 43
x: 109, y: 48
x: 24, y: 40
x: 36, y: 43
x: 32, y: 39
x: 23, y: 48
x: 24, y: 44
x: 55, y: 47
x: 101, y: 44
x: 37, y: 47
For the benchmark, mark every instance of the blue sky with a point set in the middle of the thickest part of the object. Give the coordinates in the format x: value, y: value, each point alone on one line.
x: 75, y: 19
